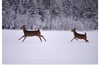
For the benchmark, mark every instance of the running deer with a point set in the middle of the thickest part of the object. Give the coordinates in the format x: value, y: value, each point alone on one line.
x: 79, y: 36
x: 31, y: 33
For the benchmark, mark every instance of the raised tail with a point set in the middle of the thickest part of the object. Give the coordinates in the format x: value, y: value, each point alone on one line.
x: 85, y: 33
x: 86, y: 37
x: 39, y: 29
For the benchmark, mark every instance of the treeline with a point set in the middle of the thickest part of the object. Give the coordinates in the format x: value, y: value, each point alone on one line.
x: 50, y: 14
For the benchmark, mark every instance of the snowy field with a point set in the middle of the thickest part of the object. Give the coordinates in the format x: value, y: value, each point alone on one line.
x: 58, y: 49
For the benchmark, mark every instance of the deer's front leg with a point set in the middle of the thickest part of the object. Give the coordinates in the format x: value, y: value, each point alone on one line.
x: 72, y: 39
x: 24, y: 39
x: 21, y: 37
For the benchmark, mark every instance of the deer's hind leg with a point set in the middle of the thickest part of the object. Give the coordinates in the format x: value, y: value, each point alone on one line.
x: 24, y: 39
x: 40, y: 38
x: 43, y: 37
x: 86, y: 39
x: 21, y: 37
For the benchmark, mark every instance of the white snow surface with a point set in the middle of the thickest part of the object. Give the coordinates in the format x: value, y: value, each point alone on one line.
x: 58, y: 49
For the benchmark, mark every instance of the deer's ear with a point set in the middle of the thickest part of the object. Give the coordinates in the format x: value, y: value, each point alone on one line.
x: 23, y: 25
x: 74, y: 28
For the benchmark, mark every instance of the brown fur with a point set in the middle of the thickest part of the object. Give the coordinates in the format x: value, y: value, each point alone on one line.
x: 31, y: 33
x: 79, y: 36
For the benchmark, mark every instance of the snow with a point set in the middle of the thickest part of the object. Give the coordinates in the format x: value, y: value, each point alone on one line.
x: 58, y: 49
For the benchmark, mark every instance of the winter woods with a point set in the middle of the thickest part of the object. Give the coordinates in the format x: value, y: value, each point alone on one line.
x: 50, y: 14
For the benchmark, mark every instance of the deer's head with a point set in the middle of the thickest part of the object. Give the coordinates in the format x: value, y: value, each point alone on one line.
x: 23, y: 27
x: 73, y: 30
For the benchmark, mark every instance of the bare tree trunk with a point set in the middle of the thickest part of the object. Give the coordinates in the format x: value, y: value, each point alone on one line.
x: 59, y: 4
x: 51, y: 6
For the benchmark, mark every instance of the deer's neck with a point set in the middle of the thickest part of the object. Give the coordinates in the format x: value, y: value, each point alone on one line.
x: 24, y: 30
x: 75, y: 32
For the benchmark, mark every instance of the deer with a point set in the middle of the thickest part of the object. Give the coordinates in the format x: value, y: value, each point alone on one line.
x: 79, y: 36
x: 31, y: 33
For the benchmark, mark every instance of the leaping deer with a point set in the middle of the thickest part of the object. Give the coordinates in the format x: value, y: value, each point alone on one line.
x: 31, y: 33
x: 79, y: 36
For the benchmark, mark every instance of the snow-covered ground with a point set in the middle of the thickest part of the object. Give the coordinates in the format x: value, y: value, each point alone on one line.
x: 57, y: 49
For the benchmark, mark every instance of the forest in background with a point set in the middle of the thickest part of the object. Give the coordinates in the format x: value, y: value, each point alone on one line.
x: 50, y: 14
